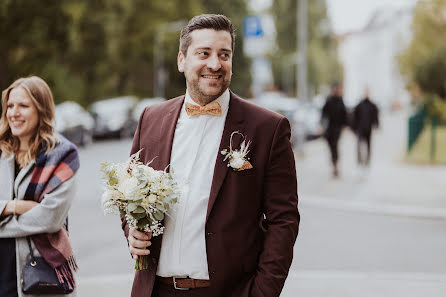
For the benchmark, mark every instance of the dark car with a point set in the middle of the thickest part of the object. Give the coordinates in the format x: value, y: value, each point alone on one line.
x: 113, y: 117
x: 74, y: 122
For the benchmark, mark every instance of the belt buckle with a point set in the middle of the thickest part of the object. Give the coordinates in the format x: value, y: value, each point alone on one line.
x: 175, y: 282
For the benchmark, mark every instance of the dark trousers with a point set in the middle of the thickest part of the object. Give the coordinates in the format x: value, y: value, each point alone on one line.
x: 333, y: 140
x: 164, y: 290
x: 8, y: 270
x: 364, y: 149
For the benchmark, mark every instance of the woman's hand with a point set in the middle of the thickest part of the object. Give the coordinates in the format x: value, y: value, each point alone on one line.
x: 18, y: 207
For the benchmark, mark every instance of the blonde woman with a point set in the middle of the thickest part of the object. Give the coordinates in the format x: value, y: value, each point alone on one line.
x: 37, y: 179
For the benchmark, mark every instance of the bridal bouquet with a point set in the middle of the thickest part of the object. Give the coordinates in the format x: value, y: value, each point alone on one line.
x: 141, y: 194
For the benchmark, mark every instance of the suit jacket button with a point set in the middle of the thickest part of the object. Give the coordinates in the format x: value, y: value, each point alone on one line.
x: 154, y: 260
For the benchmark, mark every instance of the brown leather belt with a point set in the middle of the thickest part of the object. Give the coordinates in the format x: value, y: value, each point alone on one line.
x: 182, y: 283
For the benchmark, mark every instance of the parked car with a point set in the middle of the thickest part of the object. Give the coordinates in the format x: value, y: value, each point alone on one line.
x: 143, y: 103
x: 304, y: 117
x: 309, y: 116
x: 74, y: 122
x: 278, y: 103
x: 113, y: 117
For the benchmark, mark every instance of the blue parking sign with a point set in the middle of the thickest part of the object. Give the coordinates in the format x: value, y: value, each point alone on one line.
x: 252, y: 27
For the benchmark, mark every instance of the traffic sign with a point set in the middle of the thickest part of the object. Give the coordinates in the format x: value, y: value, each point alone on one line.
x: 252, y: 27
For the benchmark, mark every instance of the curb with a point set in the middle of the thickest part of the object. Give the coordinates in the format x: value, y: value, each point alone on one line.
x: 374, y: 208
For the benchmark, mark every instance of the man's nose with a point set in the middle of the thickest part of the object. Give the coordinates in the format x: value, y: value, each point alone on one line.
x: 214, y: 63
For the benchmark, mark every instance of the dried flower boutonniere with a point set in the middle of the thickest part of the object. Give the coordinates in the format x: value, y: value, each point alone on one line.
x: 237, y: 158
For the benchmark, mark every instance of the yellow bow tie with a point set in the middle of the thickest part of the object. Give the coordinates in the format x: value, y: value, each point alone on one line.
x: 212, y: 108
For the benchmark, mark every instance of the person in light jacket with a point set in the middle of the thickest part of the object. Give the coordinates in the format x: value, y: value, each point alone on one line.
x: 37, y: 182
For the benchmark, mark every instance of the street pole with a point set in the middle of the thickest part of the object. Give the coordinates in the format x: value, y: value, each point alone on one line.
x: 302, y: 36
x: 301, y: 70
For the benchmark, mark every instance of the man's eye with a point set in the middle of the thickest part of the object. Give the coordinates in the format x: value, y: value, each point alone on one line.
x: 203, y: 54
x: 225, y: 56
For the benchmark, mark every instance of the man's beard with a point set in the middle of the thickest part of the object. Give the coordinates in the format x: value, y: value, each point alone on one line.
x: 206, y: 91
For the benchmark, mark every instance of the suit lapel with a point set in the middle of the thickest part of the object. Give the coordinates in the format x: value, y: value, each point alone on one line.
x: 234, y: 122
x: 166, y: 134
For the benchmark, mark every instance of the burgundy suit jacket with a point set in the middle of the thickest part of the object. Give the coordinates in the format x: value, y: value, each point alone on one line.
x: 252, y: 218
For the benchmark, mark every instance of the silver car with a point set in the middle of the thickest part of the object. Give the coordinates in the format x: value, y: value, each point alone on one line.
x: 113, y: 117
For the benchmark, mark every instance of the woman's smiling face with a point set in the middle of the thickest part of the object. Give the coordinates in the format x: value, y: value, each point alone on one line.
x: 22, y: 115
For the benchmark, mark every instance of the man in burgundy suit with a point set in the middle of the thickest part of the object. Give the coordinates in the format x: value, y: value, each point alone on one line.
x: 233, y: 231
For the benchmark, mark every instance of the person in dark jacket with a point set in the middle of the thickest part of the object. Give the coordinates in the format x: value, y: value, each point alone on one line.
x: 365, y: 118
x: 334, y: 118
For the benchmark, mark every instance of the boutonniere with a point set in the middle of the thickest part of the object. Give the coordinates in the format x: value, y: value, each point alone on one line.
x: 238, y: 159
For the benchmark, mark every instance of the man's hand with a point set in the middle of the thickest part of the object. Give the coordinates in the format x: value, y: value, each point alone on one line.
x: 138, y: 242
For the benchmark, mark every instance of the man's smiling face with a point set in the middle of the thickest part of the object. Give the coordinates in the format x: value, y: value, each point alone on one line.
x: 207, y: 65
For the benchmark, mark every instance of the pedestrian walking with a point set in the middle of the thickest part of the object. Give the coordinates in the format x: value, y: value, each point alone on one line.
x: 365, y: 119
x: 37, y: 169
x: 233, y: 231
x: 334, y: 119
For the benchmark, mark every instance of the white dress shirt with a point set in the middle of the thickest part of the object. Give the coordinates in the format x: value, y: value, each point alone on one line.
x: 194, y: 151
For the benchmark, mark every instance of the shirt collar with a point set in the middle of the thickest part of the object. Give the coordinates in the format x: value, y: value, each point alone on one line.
x: 223, y: 100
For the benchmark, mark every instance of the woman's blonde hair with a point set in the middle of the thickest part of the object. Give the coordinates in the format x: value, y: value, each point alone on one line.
x: 43, y: 136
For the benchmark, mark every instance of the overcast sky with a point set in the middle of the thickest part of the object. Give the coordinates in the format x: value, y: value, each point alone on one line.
x: 346, y: 15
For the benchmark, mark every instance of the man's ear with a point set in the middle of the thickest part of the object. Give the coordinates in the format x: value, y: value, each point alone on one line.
x: 180, y: 61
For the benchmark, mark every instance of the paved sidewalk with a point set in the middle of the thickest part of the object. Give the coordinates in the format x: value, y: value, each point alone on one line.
x: 307, y: 284
x: 390, y: 186
x: 341, y: 284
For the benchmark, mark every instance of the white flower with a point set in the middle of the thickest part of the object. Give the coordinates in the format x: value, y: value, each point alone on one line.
x: 236, y: 162
x: 121, y: 172
x: 106, y: 196
x: 129, y: 187
x: 151, y: 173
x: 152, y: 198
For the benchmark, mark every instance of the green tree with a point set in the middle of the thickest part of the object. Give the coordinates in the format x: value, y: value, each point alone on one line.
x: 89, y: 50
x: 33, y: 41
x: 423, y: 62
x: 323, y: 66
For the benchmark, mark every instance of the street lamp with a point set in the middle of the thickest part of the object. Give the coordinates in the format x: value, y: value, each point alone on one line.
x: 301, y: 59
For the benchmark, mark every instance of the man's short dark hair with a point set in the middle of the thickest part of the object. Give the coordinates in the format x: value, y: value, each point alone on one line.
x: 216, y: 22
